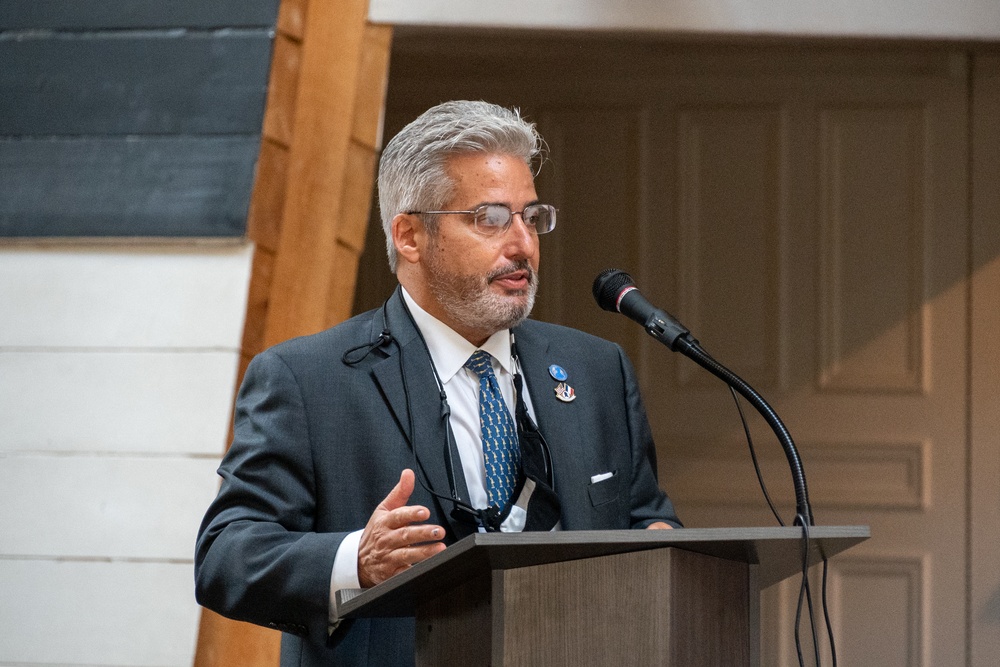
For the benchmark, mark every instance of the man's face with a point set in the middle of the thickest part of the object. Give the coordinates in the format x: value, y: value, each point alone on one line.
x: 479, y: 284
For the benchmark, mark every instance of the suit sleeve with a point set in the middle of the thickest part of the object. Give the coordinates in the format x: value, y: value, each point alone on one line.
x: 258, y: 557
x: 648, y: 501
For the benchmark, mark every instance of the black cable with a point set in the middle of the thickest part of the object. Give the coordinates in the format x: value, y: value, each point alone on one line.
x: 802, y: 592
x: 753, y: 456
x: 615, y: 291
x: 826, y: 616
x: 798, y: 619
x: 805, y: 591
x: 812, y: 620
x: 693, y: 351
x: 805, y: 594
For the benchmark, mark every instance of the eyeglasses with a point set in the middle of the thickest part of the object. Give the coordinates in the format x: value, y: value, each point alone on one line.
x: 493, y: 219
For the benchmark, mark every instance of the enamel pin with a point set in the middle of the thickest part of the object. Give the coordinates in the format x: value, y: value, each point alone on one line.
x: 564, y: 392
x: 558, y: 373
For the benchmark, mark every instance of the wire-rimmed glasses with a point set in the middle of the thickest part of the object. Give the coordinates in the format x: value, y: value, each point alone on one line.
x: 493, y: 219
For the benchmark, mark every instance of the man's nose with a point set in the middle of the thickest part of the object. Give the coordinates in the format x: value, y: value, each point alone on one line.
x: 521, y: 237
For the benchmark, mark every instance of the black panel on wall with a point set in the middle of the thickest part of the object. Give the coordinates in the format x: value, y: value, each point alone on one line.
x: 99, y: 14
x: 130, y: 117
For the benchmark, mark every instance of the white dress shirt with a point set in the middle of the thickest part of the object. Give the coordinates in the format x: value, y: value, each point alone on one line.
x: 449, y: 351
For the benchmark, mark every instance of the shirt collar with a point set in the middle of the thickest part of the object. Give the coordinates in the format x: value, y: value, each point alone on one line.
x: 448, y: 350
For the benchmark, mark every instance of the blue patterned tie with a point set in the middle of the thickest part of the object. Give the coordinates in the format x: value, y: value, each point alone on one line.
x: 500, y: 445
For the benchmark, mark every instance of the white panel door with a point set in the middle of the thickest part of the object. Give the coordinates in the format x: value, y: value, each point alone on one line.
x: 805, y: 212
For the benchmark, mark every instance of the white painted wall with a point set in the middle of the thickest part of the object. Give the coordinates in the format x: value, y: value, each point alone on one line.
x: 934, y: 19
x: 117, y: 368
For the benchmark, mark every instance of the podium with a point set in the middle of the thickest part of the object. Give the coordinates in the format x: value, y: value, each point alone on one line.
x: 686, y: 597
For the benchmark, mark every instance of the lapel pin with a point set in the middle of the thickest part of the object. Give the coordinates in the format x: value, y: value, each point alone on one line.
x: 564, y: 392
x: 558, y: 373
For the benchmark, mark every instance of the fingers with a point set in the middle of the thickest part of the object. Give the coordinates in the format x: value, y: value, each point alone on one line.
x: 659, y: 525
x: 384, y: 552
x: 404, y: 516
x: 407, y: 557
x: 394, y: 538
x: 389, y: 539
x: 400, y: 493
x: 398, y: 513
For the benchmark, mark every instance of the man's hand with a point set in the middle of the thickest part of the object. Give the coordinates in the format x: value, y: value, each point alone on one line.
x: 392, y: 541
x: 659, y: 525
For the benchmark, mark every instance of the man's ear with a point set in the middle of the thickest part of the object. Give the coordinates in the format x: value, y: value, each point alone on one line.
x: 407, y: 235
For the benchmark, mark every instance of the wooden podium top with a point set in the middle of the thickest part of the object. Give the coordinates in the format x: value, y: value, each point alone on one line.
x: 777, y: 552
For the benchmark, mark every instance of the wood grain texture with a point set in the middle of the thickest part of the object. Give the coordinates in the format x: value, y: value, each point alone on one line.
x: 357, y: 200
x: 448, y: 622
x: 257, y: 303
x: 343, y: 279
x: 126, y: 186
x: 223, y: 642
x: 292, y: 18
x: 172, y: 82
x: 282, y: 90
x: 88, y: 14
x: 709, y: 610
x: 372, y: 85
x: 645, y: 607
x: 594, y: 611
x: 776, y: 550
x: 268, y: 199
x: 309, y: 212
x: 657, y: 607
x: 305, y: 290
x: 324, y: 112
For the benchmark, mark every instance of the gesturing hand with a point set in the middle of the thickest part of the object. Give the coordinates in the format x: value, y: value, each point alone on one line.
x: 659, y: 525
x: 393, y: 541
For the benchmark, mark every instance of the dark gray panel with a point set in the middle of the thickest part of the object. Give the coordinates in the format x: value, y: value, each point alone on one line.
x: 145, y: 186
x: 88, y: 14
x: 128, y: 83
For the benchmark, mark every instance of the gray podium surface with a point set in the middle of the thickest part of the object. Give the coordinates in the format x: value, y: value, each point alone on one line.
x: 775, y: 551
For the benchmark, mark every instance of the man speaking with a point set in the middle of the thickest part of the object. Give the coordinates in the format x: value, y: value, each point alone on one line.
x: 371, y: 446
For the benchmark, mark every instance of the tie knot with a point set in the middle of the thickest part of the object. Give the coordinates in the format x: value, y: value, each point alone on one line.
x: 480, y: 363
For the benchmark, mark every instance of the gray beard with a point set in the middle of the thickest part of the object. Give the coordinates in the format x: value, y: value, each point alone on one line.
x: 469, y: 301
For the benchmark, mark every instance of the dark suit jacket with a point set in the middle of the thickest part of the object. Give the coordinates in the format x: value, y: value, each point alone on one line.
x: 319, y: 443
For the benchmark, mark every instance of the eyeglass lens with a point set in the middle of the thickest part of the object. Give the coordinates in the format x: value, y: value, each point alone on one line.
x: 497, y: 217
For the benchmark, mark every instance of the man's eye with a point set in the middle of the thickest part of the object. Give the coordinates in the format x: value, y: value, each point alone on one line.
x: 496, y: 216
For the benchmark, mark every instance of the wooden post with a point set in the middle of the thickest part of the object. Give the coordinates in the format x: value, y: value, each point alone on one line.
x: 330, y: 169
x: 309, y: 211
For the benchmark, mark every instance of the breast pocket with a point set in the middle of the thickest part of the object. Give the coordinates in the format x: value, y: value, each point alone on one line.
x: 603, y: 491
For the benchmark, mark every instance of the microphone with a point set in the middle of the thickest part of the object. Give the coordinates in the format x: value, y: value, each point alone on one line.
x: 615, y: 291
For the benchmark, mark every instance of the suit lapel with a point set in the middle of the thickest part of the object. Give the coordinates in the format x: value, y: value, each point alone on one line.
x: 407, y: 381
x: 557, y: 420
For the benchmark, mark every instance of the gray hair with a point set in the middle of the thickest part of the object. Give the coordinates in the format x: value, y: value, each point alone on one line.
x: 412, y: 174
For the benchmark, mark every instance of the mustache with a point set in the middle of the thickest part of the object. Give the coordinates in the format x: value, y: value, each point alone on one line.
x: 521, y: 265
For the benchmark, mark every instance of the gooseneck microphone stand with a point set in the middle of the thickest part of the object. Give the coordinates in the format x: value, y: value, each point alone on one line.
x: 615, y: 291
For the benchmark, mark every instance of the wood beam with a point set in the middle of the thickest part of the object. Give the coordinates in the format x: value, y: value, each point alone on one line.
x: 309, y: 211
x: 329, y: 167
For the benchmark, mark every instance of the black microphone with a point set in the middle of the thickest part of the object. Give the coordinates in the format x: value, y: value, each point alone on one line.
x: 615, y: 291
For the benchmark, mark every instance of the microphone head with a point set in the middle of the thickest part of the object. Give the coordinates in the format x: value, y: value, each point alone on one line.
x: 608, y: 286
